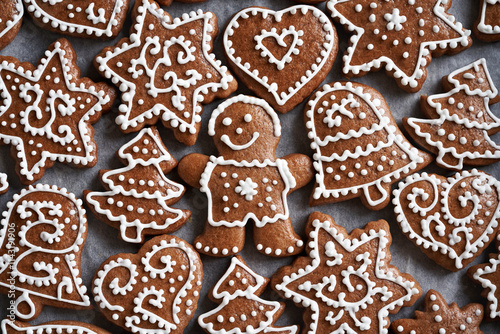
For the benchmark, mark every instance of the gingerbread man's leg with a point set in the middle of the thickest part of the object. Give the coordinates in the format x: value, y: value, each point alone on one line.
x: 277, y: 239
x: 220, y: 240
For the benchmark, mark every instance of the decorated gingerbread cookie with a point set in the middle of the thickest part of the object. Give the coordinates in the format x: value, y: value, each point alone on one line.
x: 359, y: 150
x: 153, y: 291
x: 43, y: 252
x: 438, y: 317
x: 346, y: 282
x: 165, y: 70
x: 169, y: 2
x: 241, y: 310
x: 460, y: 121
x: 47, y: 112
x: 80, y: 18
x: 59, y: 327
x: 452, y: 220
x: 400, y: 37
x: 4, y: 185
x: 488, y: 276
x: 487, y: 27
x: 11, y: 18
x: 138, y: 197
x: 281, y: 55
x: 246, y: 181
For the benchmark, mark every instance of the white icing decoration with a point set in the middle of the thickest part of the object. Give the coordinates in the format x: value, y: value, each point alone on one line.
x: 482, y: 26
x: 3, y: 183
x: 280, y: 39
x: 8, y: 325
x: 15, y: 19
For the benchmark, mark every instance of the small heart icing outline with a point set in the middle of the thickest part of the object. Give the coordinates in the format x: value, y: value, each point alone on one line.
x: 280, y: 39
x: 272, y: 87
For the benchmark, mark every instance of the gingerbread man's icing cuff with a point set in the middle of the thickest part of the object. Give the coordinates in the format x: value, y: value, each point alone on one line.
x: 439, y: 317
x: 487, y: 26
x: 460, y: 121
x: 60, y: 327
x: 4, y: 184
x: 50, y: 231
x: 165, y: 70
x: 398, y: 36
x: 11, y: 18
x: 47, y: 112
x: 346, y: 282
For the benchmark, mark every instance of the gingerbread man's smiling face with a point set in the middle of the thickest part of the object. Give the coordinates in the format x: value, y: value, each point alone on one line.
x: 245, y: 128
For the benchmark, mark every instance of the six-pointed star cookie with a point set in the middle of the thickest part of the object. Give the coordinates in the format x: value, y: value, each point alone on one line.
x: 165, y: 70
x: 398, y: 36
x: 46, y: 112
x: 346, y: 283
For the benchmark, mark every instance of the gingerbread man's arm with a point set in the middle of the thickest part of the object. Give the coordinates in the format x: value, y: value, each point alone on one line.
x: 191, y: 167
x: 301, y: 167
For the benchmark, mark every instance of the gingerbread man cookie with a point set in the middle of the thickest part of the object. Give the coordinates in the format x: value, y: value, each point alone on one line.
x: 398, y: 36
x: 487, y: 26
x: 11, y: 18
x: 439, y: 317
x: 460, y: 121
x: 4, y: 185
x: 59, y: 327
x: 153, y: 291
x: 48, y: 110
x: 346, y: 283
x: 359, y: 149
x: 80, y: 18
x: 165, y: 70
x: 246, y: 181
x: 281, y: 55
x: 43, y: 252
x: 241, y: 310
x: 139, y: 196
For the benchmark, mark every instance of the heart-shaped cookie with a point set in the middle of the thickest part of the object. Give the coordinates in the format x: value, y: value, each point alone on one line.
x: 80, y: 18
x: 153, y: 291
x: 281, y: 55
x: 452, y: 220
x: 11, y: 17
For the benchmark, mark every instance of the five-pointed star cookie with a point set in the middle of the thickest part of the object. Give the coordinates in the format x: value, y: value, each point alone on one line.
x: 165, y: 70
x: 46, y: 112
x: 398, y: 36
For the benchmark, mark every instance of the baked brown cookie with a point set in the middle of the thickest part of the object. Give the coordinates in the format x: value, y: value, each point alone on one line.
x: 438, y: 317
x: 169, y: 2
x: 346, y: 282
x: 241, y: 310
x: 59, y: 327
x: 42, y: 235
x: 246, y: 181
x: 282, y: 56
x: 166, y: 71
x: 359, y: 149
x: 138, y: 197
x: 460, y: 120
x: 400, y: 37
x: 11, y: 18
x: 487, y: 26
x: 4, y: 185
x: 80, y: 18
x: 47, y: 112
x: 153, y: 291
x: 452, y: 220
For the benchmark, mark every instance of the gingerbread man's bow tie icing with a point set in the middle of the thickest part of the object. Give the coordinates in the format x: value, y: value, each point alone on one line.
x: 43, y: 253
x: 47, y: 112
x: 165, y: 70
x: 451, y: 220
x: 11, y: 17
x: 246, y: 181
x: 398, y: 36
x: 59, y: 327
x: 153, y: 291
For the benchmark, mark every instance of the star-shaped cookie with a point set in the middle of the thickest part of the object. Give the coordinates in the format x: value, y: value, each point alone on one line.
x: 398, y: 36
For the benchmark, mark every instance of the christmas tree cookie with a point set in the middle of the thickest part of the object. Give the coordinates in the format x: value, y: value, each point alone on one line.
x: 52, y: 327
x: 460, y: 121
x: 487, y: 26
x: 246, y: 181
x: 138, y: 197
x: 241, y: 310
x: 359, y: 150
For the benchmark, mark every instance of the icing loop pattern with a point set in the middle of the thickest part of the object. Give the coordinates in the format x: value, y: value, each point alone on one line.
x: 43, y: 254
x: 452, y: 220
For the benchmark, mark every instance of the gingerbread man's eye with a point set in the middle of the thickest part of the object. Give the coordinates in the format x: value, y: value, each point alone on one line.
x: 227, y: 121
x: 248, y: 118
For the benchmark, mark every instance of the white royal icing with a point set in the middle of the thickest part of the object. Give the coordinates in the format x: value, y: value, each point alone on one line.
x: 8, y: 326
x: 116, y: 189
x: 488, y: 28
x: 394, y: 21
x: 49, y: 213
x: 3, y: 183
x: 436, y: 224
x: 15, y: 18
x: 154, y: 46
x: 280, y: 94
x: 332, y: 120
